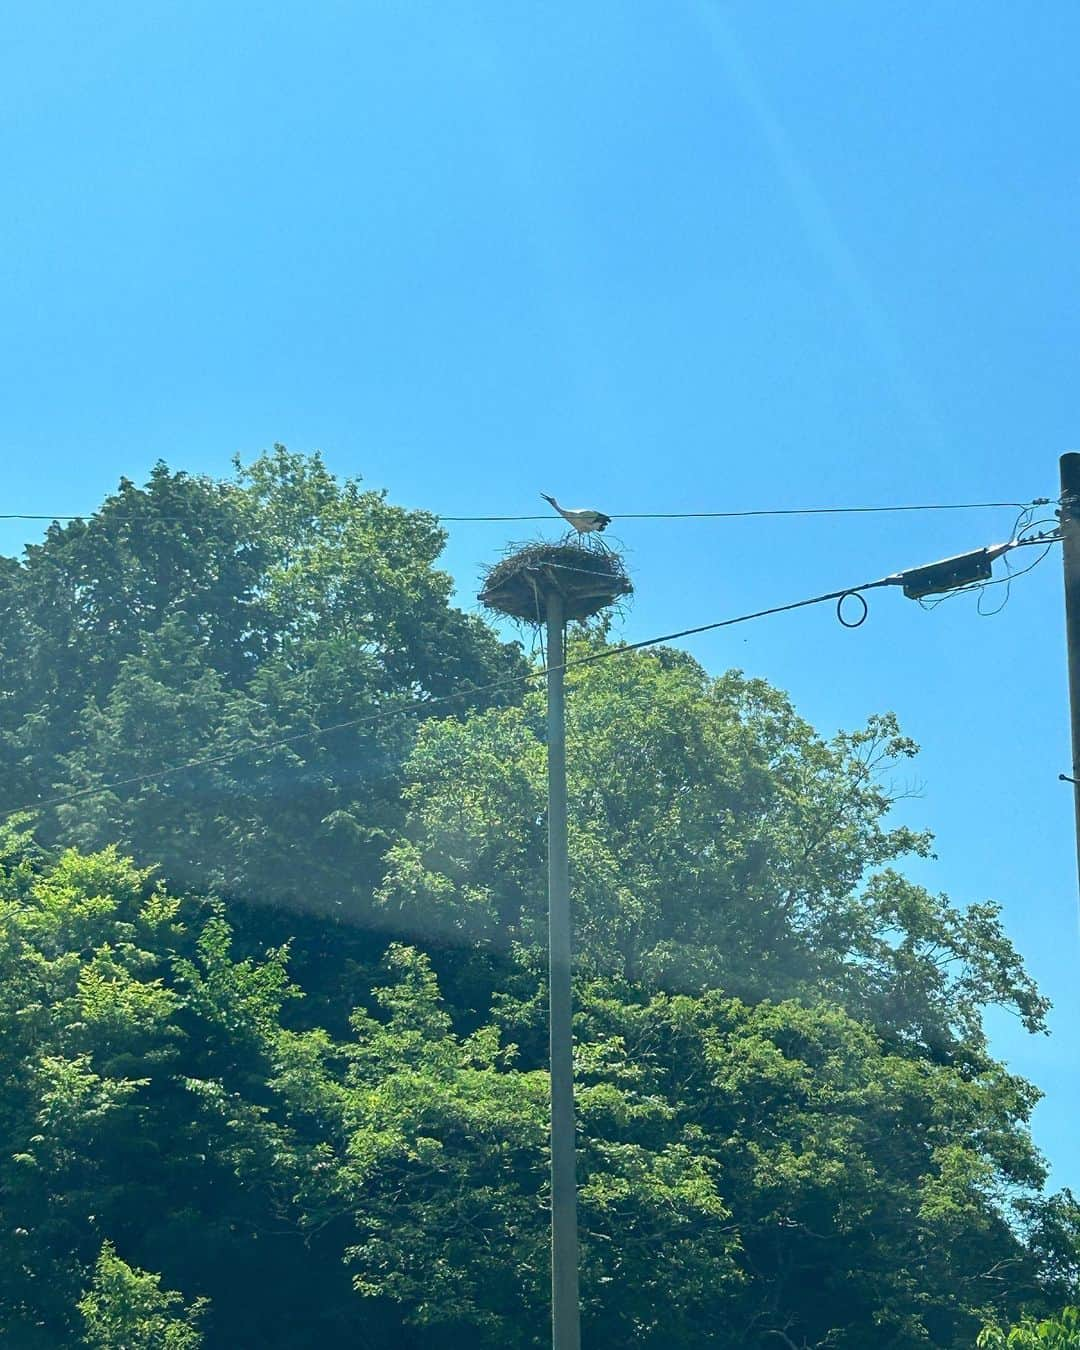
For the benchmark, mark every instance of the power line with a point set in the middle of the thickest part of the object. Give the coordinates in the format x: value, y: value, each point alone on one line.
x: 642, y: 515
x: 772, y: 511
x: 423, y: 705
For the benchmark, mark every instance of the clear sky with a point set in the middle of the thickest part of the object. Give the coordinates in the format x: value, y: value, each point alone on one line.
x: 674, y: 255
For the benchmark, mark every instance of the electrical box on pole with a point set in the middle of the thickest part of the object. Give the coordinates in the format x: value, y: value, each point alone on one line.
x: 950, y: 574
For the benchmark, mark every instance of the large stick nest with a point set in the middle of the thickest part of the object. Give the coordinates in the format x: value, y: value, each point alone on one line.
x: 588, y: 579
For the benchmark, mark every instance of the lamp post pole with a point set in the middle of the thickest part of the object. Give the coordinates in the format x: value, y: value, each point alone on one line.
x: 565, y: 1307
x: 549, y: 584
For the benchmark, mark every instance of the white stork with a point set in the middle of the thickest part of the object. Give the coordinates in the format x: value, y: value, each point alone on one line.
x: 583, y: 519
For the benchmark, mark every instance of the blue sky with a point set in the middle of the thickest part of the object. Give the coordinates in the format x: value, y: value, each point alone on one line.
x: 669, y: 256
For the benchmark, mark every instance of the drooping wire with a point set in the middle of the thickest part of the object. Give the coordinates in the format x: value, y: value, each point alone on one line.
x: 1020, y: 526
x: 425, y: 705
x: 1008, y: 580
x: 1006, y: 594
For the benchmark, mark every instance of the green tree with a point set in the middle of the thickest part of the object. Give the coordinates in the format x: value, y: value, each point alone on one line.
x: 791, y: 1129
x: 719, y: 844
x: 716, y: 841
x: 136, y: 1054
x: 318, y: 1190
x: 192, y: 618
x: 126, y: 1309
x: 1050, y: 1333
x: 867, y: 1190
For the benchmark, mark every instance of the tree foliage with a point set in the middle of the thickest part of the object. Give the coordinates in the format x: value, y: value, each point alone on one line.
x: 230, y: 1118
x: 126, y: 1309
x: 716, y: 841
x: 193, y: 617
x: 156, y: 1099
x: 1048, y: 1333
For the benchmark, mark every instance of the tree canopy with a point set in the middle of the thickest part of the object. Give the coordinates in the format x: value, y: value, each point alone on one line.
x: 273, y: 1028
x: 191, y: 617
x: 1044, y: 1333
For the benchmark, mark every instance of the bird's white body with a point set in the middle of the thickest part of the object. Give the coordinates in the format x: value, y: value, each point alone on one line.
x: 583, y: 519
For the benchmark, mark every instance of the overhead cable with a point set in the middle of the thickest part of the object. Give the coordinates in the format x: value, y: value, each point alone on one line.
x: 772, y: 511
x: 425, y: 705
x: 646, y: 515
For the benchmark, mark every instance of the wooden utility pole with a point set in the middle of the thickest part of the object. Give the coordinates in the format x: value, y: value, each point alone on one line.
x: 1070, y: 551
x: 565, y: 1306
